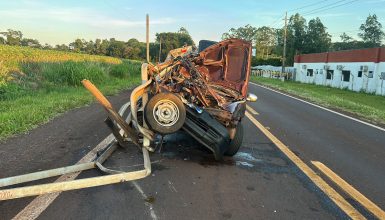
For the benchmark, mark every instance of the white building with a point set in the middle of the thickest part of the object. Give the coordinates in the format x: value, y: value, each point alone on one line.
x: 358, y: 70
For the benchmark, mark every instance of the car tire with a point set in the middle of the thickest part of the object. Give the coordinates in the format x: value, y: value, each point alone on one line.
x: 236, y: 142
x: 165, y: 113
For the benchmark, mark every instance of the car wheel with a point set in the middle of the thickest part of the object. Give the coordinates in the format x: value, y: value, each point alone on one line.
x: 236, y: 142
x: 165, y: 113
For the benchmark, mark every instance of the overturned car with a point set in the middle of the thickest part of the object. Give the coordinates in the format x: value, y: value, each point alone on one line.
x: 204, y: 93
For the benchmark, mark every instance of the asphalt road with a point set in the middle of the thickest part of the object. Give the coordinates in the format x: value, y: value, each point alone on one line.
x: 353, y: 150
x: 187, y: 183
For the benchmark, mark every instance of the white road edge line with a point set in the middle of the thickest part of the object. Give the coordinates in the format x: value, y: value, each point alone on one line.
x: 34, y: 209
x: 144, y: 196
x: 326, y: 109
x: 41, y: 203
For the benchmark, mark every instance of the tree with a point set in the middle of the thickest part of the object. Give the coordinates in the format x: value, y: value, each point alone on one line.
x: 347, y: 43
x: 372, y: 31
x: 265, y: 39
x: 2, y: 40
x: 12, y: 37
x: 77, y: 45
x: 30, y: 42
x: 117, y: 49
x: 62, y: 47
x: 97, y: 46
x: 89, y: 47
x: 247, y: 33
x: 297, y: 32
x: 172, y: 40
x: 47, y: 47
x: 183, y: 30
x: 351, y: 45
x: 345, y: 38
x: 317, y: 39
x: 103, y: 47
x: 135, y: 49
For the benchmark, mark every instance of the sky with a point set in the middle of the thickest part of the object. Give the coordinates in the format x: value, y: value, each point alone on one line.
x: 57, y: 22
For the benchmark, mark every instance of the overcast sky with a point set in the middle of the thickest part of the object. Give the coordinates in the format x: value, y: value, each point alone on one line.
x: 57, y: 22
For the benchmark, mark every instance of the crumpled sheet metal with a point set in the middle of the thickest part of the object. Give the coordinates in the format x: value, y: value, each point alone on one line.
x: 214, y: 79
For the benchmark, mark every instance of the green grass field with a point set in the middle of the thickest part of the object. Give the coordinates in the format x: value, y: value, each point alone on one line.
x: 34, y: 90
x: 367, y: 106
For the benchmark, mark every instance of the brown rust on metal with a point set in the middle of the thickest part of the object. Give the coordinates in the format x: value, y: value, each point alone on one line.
x: 212, y: 79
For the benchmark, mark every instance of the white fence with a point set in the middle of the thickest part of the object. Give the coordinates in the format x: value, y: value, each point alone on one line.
x: 273, y: 72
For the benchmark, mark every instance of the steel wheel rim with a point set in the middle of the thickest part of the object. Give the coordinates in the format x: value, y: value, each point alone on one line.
x: 166, y: 113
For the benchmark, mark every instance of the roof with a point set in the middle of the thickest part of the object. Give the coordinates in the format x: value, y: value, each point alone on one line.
x: 375, y: 55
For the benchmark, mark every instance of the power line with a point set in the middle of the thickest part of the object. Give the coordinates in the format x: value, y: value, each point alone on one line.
x: 325, y: 9
x: 276, y: 21
x: 317, y: 10
x: 325, y: 6
x: 306, y: 6
x: 279, y: 24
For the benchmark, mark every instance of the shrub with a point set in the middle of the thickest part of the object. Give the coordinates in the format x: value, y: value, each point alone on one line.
x: 274, y: 61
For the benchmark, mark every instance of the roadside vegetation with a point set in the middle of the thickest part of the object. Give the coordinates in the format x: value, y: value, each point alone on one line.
x: 37, y: 85
x: 12, y: 56
x: 130, y: 49
x: 367, y: 106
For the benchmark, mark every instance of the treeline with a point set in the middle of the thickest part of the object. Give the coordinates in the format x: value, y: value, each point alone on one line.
x: 304, y: 37
x: 131, y: 49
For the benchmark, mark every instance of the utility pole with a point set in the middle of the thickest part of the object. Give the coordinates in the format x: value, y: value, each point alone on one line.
x: 148, y: 38
x: 160, y: 48
x: 284, y: 45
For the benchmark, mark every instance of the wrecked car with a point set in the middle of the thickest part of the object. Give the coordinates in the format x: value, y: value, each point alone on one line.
x: 203, y: 93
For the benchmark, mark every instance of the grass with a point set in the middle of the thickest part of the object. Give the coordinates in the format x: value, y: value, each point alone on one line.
x: 367, y: 106
x: 12, y: 56
x: 28, y: 111
x: 34, y: 92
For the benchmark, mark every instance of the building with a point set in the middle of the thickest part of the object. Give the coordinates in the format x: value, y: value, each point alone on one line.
x: 357, y: 70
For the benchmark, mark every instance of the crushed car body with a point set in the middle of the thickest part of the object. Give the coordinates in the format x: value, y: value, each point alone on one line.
x: 203, y: 93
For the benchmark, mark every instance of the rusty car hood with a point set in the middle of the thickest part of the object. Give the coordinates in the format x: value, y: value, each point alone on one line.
x: 227, y: 63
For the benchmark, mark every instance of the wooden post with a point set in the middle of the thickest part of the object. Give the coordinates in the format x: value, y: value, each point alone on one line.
x: 148, y: 37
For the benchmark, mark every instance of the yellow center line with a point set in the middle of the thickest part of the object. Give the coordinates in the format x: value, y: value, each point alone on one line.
x: 350, y: 190
x: 317, y: 180
x: 250, y: 109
